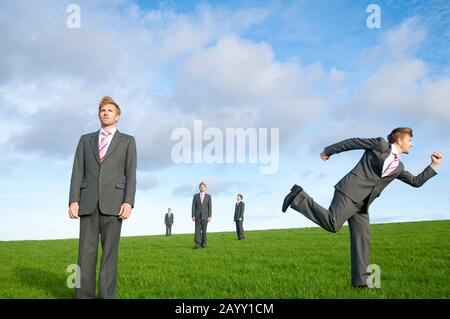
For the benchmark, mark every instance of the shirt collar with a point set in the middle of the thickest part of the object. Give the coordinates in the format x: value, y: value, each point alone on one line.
x: 394, y: 150
x: 111, y: 131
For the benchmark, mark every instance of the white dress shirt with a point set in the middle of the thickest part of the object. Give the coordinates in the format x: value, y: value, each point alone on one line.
x: 202, y: 196
x: 391, y: 157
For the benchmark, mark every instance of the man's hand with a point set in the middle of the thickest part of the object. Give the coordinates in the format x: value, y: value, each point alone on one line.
x: 436, y: 159
x: 193, y: 219
x: 125, y: 211
x: 73, y: 210
x: 209, y: 219
x: 240, y: 219
x: 324, y: 156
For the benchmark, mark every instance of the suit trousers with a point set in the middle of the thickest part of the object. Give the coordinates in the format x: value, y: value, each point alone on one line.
x: 168, y: 229
x: 200, y: 232
x: 240, y: 229
x: 92, y: 228
x: 342, y: 209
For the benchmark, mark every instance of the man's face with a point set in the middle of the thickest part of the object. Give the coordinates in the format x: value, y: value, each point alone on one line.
x: 169, y: 211
x: 108, y: 115
x: 238, y: 198
x: 202, y: 188
x: 405, y: 144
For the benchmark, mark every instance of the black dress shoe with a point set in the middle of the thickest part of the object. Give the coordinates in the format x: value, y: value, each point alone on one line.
x: 360, y: 286
x: 295, y: 190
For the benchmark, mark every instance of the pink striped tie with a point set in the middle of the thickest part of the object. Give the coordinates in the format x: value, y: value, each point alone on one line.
x: 392, y: 166
x: 103, y: 145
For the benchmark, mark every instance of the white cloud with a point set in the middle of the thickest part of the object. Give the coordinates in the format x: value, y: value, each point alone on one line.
x: 184, y: 190
x: 402, y: 85
x: 240, y: 81
x: 399, y: 88
x: 164, y: 68
x: 174, y: 35
x: 146, y: 181
x: 401, y: 42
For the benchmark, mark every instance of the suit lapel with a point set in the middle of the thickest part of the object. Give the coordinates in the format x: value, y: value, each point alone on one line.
x: 400, y: 165
x: 114, y: 142
x: 383, y: 157
x: 197, y: 196
x: 94, y: 144
x: 204, y: 199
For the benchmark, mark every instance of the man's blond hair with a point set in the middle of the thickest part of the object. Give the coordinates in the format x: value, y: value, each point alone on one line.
x: 108, y: 100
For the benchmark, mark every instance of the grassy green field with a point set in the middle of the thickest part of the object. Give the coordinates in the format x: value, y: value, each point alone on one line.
x: 294, y: 263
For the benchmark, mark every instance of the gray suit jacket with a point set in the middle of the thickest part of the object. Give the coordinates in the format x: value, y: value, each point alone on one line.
x: 239, y: 211
x: 200, y: 211
x: 168, y: 220
x: 109, y: 183
x: 364, y: 181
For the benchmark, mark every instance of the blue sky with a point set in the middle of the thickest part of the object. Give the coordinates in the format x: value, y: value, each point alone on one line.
x: 311, y: 69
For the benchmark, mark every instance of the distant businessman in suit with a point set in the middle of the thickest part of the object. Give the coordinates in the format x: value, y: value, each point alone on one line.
x: 102, y: 191
x: 168, y: 220
x: 239, y: 216
x: 379, y: 165
x: 201, y: 215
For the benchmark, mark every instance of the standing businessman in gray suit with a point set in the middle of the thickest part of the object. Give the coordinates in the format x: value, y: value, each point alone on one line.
x: 201, y: 215
x: 239, y: 216
x: 379, y: 165
x: 102, y: 191
x: 168, y: 221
